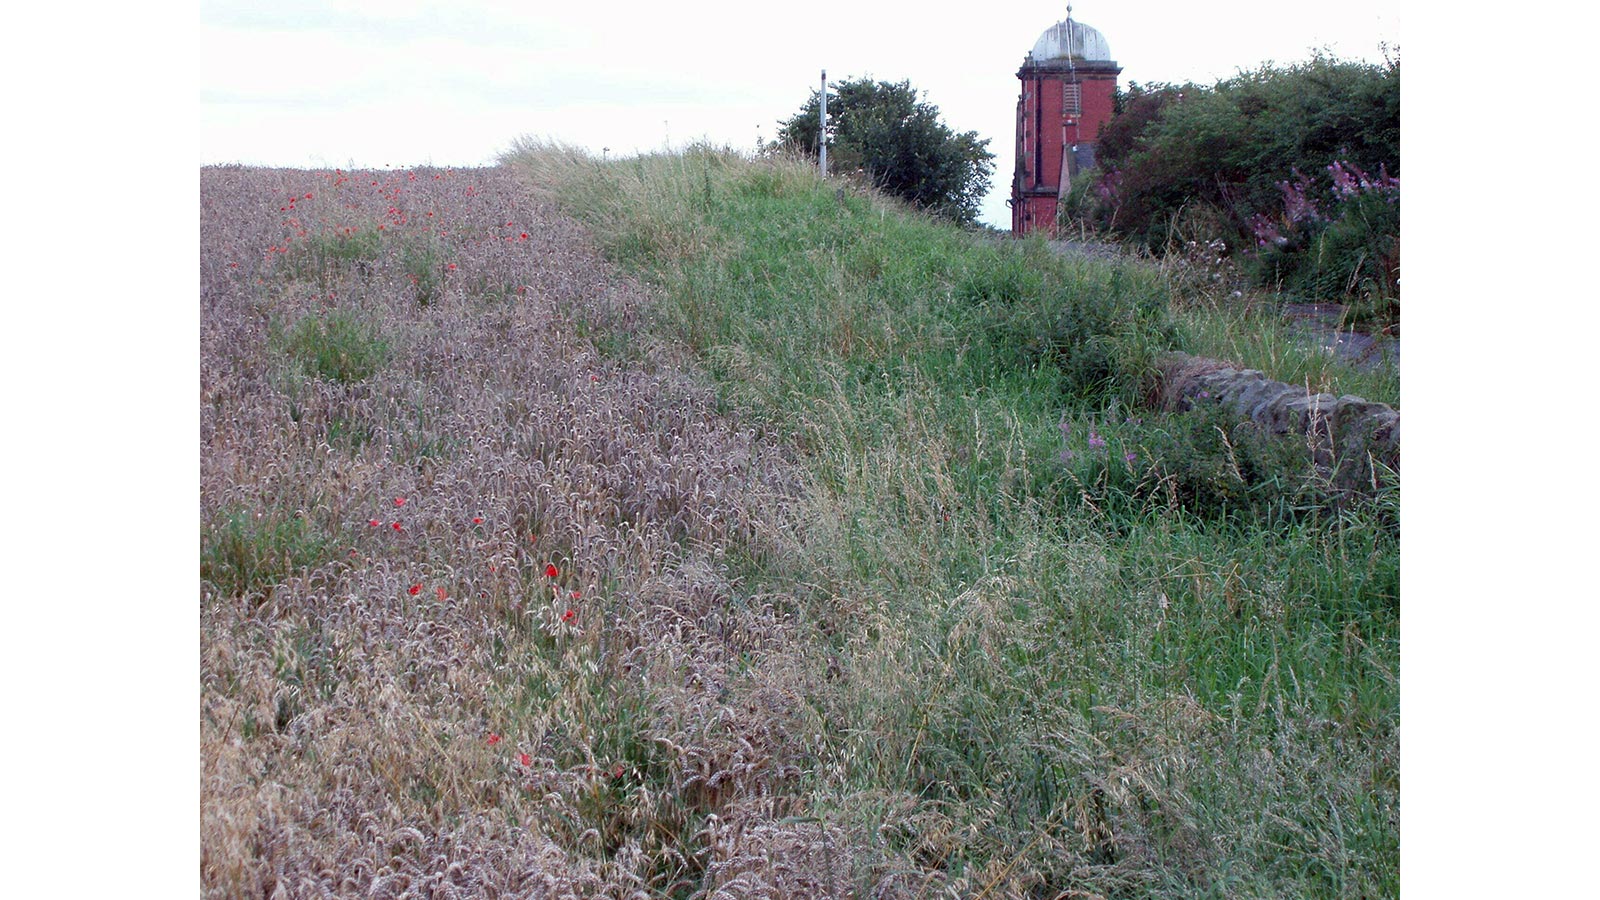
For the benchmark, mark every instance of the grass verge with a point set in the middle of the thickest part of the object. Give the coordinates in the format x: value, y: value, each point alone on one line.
x: 1034, y: 682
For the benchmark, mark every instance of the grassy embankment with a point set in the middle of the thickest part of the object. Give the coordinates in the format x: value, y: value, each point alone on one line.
x: 1077, y: 645
x: 499, y: 597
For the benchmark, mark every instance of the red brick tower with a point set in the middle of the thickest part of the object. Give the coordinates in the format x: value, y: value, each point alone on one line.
x: 1068, y: 81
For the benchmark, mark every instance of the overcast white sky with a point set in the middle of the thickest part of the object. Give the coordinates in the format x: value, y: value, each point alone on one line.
x: 406, y: 82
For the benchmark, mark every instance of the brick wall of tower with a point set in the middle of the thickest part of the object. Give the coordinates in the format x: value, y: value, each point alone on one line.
x: 1045, y: 131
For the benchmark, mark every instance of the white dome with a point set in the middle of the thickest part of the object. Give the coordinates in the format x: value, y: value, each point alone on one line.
x: 1071, y: 39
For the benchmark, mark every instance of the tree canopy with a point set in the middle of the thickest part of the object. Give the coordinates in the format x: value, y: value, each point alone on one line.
x: 885, y: 130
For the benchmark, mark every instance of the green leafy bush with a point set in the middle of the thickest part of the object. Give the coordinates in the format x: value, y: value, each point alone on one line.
x: 1102, y: 327
x: 899, y: 142
x: 1222, y: 160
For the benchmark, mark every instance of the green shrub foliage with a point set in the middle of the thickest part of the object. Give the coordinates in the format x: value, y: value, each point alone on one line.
x: 897, y: 140
x: 1298, y: 167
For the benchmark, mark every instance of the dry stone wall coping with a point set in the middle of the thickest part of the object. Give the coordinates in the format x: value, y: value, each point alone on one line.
x: 1348, y: 436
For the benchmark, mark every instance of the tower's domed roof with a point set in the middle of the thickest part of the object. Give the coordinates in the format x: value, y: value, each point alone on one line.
x: 1071, y: 39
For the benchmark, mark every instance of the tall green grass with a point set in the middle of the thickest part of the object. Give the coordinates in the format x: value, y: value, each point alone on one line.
x: 243, y: 554
x: 337, y: 347
x: 1035, y: 688
x: 1256, y: 335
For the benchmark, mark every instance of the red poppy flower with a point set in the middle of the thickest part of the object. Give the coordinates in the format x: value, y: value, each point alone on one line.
x: 442, y: 593
x: 414, y: 590
x: 550, y: 571
x: 524, y: 235
x: 395, y: 526
x: 525, y: 759
x: 493, y: 739
x: 399, y: 501
x: 569, y: 615
x: 477, y: 520
x: 374, y: 523
x: 574, y: 595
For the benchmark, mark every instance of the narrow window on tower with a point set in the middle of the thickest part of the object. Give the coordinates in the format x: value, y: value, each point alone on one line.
x: 1071, y: 99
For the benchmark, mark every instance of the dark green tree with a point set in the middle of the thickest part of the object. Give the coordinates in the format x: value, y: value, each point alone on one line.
x: 886, y: 131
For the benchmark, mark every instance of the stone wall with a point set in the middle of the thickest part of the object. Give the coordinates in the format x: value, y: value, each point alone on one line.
x: 1346, y: 435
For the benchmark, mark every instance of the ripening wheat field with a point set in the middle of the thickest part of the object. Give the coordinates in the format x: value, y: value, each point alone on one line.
x: 524, y: 577
x: 465, y: 624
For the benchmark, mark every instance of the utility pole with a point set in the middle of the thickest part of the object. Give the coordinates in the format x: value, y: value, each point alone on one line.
x: 822, y: 133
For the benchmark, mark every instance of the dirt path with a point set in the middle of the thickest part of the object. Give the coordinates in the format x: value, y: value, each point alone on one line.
x: 1321, y: 323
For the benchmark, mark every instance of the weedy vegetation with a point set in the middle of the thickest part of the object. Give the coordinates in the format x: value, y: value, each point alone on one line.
x: 797, y: 546
x: 1290, y: 171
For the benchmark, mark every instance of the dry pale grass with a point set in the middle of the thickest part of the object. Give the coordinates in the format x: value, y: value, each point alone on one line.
x: 396, y: 699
